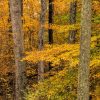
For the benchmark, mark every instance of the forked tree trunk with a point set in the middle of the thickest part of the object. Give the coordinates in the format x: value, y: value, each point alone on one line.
x: 72, y: 20
x: 83, y: 71
x: 15, y: 10
x: 40, y: 36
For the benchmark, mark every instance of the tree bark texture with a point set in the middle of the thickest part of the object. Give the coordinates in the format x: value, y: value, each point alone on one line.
x: 83, y: 71
x: 15, y: 10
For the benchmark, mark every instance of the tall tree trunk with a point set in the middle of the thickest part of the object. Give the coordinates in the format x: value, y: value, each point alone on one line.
x: 50, y: 31
x: 72, y: 20
x: 10, y: 51
x: 83, y: 72
x: 15, y: 10
x: 40, y: 35
x: 50, y: 21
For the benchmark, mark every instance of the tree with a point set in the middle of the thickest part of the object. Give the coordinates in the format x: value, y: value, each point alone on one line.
x: 72, y: 20
x: 40, y: 36
x: 15, y: 10
x: 83, y: 72
x: 50, y: 21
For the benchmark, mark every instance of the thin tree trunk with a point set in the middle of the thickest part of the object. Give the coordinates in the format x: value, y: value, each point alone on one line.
x: 50, y: 21
x: 40, y: 35
x: 83, y: 72
x: 15, y: 10
x: 30, y: 40
x: 50, y: 31
x: 72, y: 20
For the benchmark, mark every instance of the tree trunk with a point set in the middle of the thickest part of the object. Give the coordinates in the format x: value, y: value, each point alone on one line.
x: 83, y: 72
x: 15, y: 10
x: 40, y: 35
x: 50, y: 21
x: 72, y: 20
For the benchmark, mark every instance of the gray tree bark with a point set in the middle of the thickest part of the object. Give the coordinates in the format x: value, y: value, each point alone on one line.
x: 15, y: 10
x: 83, y: 71
x: 72, y: 20
x: 40, y: 36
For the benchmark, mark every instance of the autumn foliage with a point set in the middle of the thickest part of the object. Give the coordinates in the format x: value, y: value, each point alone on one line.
x: 61, y: 79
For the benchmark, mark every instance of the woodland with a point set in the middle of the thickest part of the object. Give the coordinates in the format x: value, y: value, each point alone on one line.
x: 49, y: 50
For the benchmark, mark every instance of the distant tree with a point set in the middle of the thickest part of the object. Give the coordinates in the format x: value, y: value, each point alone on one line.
x: 40, y: 36
x: 72, y: 20
x: 15, y: 10
x: 83, y: 71
x: 50, y: 21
